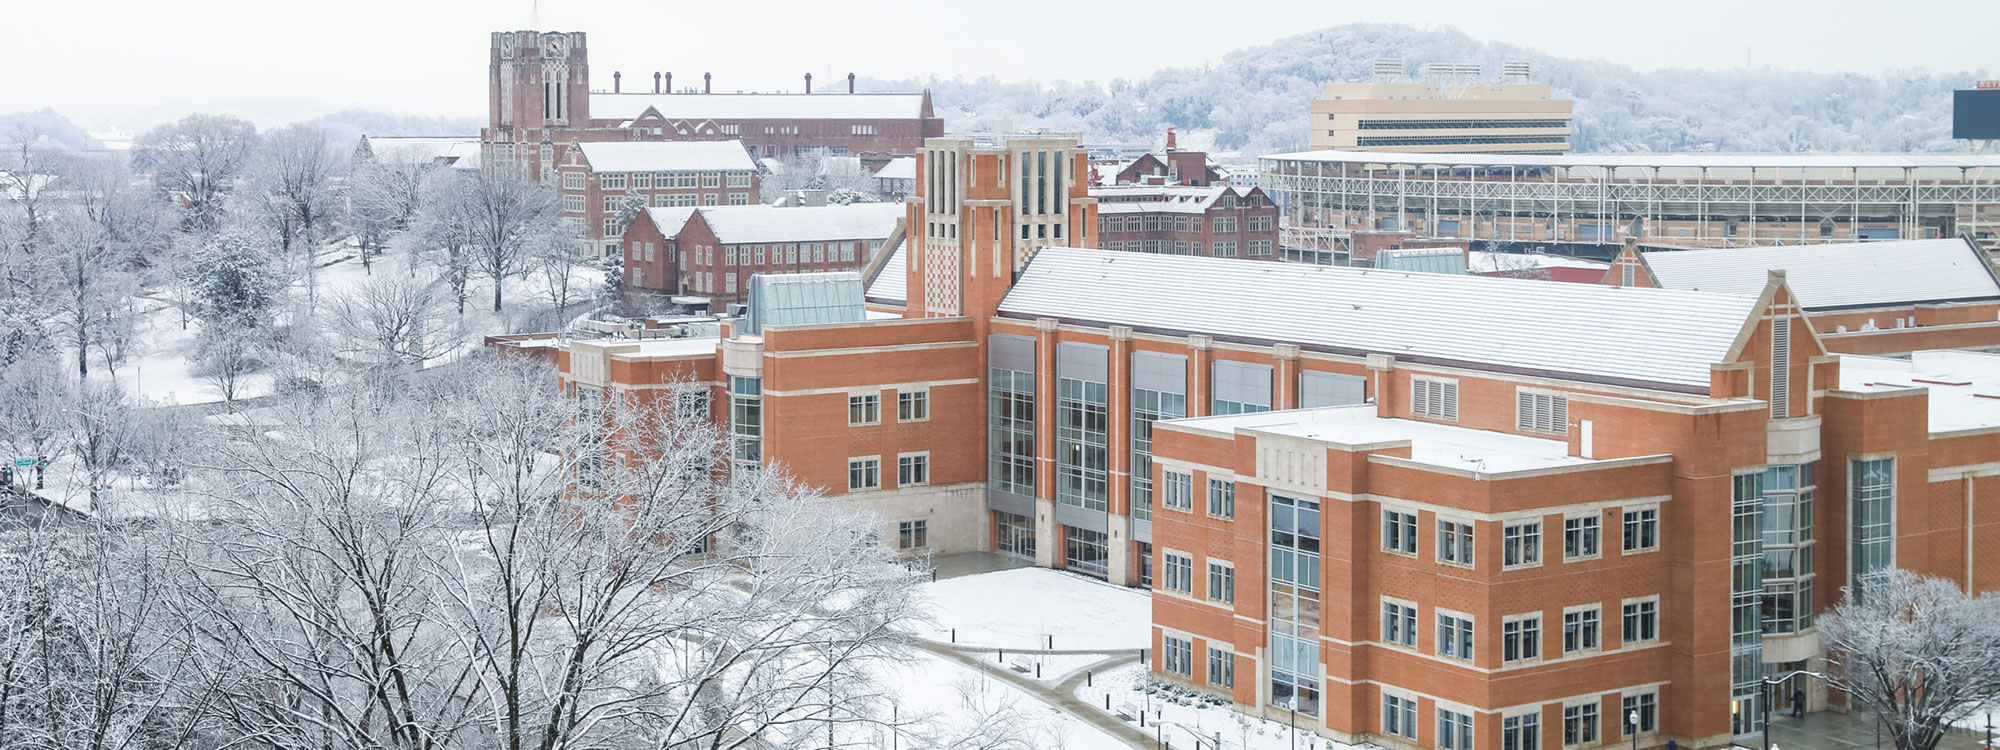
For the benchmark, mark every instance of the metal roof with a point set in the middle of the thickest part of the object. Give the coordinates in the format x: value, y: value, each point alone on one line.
x: 1648, y: 337
x: 891, y: 281
x: 778, y: 299
x: 1647, y: 160
x: 668, y: 156
x: 759, y: 106
x: 739, y: 225
x: 1863, y: 274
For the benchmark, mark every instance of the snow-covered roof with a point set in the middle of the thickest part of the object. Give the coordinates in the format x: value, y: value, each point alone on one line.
x: 670, y: 219
x: 759, y: 106
x: 892, y: 279
x: 1862, y: 274
x: 899, y: 168
x: 1134, y: 199
x: 1651, y: 337
x: 1645, y: 160
x: 1442, y: 445
x: 668, y: 156
x: 738, y: 225
x: 458, y: 151
x: 1964, y: 386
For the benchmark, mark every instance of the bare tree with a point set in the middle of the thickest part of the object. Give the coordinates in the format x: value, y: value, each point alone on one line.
x: 198, y: 160
x: 29, y: 168
x: 384, y: 195
x: 292, y: 180
x: 107, y: 430
x: 226, y: 355
x: 499, y: 214
x: 87, y: 276
x: 38, y: 398
x: 394, y: 321
x: 1918, y: 653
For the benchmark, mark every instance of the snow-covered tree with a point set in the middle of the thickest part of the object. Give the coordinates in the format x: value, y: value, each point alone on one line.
x: 497, y: 214
x: 393, y: 321
x: 384, y: 194
x: 87, y: 278
x: 292, y: 179
x: 1918, y: 653
x: 198, y: 160
x: 231, y: 281
x: 226, y: 354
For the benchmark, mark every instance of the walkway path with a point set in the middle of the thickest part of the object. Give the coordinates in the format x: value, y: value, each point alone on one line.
x: 1059, y: 696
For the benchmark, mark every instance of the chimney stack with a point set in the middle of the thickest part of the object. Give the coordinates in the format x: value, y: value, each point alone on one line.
x: 705, y: 81
x: 809, y: 83
x: 614, y: 81
x: 850, y: 83
x: 1170, y: 140
x: 670, y: 82
x: 656, y: 81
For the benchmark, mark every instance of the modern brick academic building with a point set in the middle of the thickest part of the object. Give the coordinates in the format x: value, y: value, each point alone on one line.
x: 1422, y: 510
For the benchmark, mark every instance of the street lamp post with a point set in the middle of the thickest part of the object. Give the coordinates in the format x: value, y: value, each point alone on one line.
x: 1632, y: 720
x: 1764, y: 696
x: 1292, y: 705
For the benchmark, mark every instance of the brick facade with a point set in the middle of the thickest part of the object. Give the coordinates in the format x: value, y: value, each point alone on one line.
x: 1217, y: 221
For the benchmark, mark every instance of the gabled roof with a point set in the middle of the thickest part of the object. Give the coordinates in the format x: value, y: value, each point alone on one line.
x: 1653, y: 338
x: 738, y: 225
x: 889, y: 286
x: 1863, y: 274
x: 670, y: 219
x: 1132, y: 199
x: 459, y: 151
x: 759, y: 106
x: 899, y: 168
x: 668, y: 156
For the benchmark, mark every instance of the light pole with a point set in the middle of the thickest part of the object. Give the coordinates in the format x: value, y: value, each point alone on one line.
x: 1764, y: 695
x: 1632, y: 720
x: 1292, y: 705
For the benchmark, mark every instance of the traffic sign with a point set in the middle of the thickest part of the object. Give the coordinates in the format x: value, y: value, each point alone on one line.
x: 24, y: 462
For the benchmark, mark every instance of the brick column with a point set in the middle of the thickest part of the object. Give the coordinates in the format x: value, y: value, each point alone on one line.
x: 1285, y: 392
x: 1381, y: 384
x: 1118, y: 520
x: 1201, y: 358
x: 1047, y: 541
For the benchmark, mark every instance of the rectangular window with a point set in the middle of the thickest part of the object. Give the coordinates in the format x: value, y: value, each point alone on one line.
x: 1647, y: 706
x: 1521, y: 544
x: 1179, y: 656
x: 1086, y: 552
x: 573, y: 204
x: 1454, y: 636
x: 1178, y: 494
x: 1399, y: 716
x: 1642, y: 530
x: 864, y: 473
x: 1541, y: 412
x: 1399, y: 623
x: 1399, y: 532
x: 1580, y: 630
x: 711, y: 179
x: 1221, y: 498
x: 1454, y: 730
x: 1642, y: 621
x: 1221, y: 668
x: 1150, y: 405
x: 913, y: 406
x: 1221, y: 583
x: 739, y: 199
x: 1523, y: 732
x: 1580, y: 724
x: 1241, y: 388
x: 1580, y: 537
x: 912, y: 469
x: 1294, y: 603
x: 1872, y: 506
x: 1260, y: 248
x: 864, y: 410
x: 1455, y: 542
x: 746, y: 418
x: 1178, y: 572
x: 1521, y: 638
x: 1434, y: 397
x: 613, y: 182
x: 913, y: 534
x: 1224, y: 224
x: 1083, y: 461
x: 1010, y: 424
x: 739, y: 179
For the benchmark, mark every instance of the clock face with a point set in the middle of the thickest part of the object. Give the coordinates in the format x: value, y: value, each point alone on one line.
x: 553, y: 47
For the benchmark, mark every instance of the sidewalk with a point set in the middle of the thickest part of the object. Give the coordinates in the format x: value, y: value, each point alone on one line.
x: 1832, y: 730
x: 1057, y: 696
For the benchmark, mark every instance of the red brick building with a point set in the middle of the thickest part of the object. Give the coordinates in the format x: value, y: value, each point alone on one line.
x: 1172, y: 167
x: 541, y: 100
x: 598, y: 177
x: 712, y: 252
x: 1422, y: 510
x: 1218, y: 221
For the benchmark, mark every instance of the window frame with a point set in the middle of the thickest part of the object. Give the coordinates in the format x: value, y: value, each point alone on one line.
x: 859, y: 471
x: 1529, y: 543
x: 913, y: 405
x: 864, y: 409
x: 1590, y: 526
x: 913, y: 469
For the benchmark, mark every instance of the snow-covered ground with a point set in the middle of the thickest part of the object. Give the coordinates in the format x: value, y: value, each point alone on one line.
x: 1181, y: 723
x: 940, y: 695
x: 1025, y: 608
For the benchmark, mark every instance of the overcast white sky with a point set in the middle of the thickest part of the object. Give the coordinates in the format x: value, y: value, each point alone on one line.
x: 135, y: 61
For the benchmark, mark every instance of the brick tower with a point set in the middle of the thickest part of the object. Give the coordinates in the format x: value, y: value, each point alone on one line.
x: 538, y: 86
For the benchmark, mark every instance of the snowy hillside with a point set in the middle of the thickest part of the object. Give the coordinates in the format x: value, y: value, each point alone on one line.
x: 1255, y: 99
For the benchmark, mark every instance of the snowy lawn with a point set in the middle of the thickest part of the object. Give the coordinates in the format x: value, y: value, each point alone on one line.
x: 1183, y: 722
x: 1054, y: 667
x: 1023, y: 608
x: 940, y: 695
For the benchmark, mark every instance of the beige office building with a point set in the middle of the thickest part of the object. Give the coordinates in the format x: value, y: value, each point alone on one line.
x: 1441, y: 117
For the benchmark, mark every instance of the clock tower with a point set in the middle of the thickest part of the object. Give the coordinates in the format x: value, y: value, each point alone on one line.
x: 538, y: 87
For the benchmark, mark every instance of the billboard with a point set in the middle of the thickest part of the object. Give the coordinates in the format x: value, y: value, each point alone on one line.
x: 1975, y: 113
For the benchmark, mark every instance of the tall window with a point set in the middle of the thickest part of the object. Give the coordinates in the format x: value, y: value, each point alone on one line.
x: 1581, y: 629
x: 1521, y: 544
x: 1872, y: 506
x: 1179, y: 656
x: 913, y: 406
x: 1455, y: 542
x: 864, y: 473
x: 1521, y: 638
x: 1580, y: 537
x: 1178, y: 573
x: 865, y: 409
x: 1399, y: 623
x: 1399, y: 716
x: 1454, y: 730
x: 1149, y: 406
x: 1082, y: 444
x: 1641, y: 621
x: 913, y: 468
x: 1221, y: 583
x: 1580, y: 724
x: 1221, y: 498
x: 913, y: 534
x: 1221, y: 668
x: 1294, y: 627
x: 1642, y: 530
x: 1746, y: 563
x: 1179, y: 491
x: 1788, y: 548
x: 1454, y: 636
x: 746, y: 418
x: 1399, y: 532
x: 1647, y: 705
x: 1010, y: 442
x: 1523, y: 732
